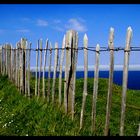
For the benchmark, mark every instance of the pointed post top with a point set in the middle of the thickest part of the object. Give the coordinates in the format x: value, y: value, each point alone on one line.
x: 47, y: 41
x: 111, y: 38
x: 97, y: 47
x: 128, y: 37
x: 85, y: 41
x: 56, y: 45
x: 64, y: 40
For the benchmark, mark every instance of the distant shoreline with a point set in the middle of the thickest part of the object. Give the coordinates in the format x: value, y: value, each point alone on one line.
x: 101, y: 68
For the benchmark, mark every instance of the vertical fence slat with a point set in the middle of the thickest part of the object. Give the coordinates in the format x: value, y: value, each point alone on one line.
x: 36, y: 76
x: 25, y: 71
x: 18, y: 58
x: 85, y: 79
x: 55, y: 70
x: 49, y: 72
x: 95, y: 89
x: 110, y: 83
x: 40, y: 44
x: 28, y: 74
x: 74, y: 64
x: 67, y: 69
x: 60, y: 71
x: 125, y: 79
x: 44, y: 70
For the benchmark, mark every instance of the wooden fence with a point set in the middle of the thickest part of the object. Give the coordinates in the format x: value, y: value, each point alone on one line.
x: 15, y: 62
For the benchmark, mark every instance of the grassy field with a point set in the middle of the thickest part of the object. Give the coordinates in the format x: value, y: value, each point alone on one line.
x: 21, y: 116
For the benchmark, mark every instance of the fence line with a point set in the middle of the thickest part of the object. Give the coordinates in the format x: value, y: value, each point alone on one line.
x: 15, y: 62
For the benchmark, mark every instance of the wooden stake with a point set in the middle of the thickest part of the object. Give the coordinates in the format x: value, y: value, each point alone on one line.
x: 40, y: 44
x: 28, y: 82
x: 44, y: 70
x: 125, y: 79
x: 74, y: 64
x: 110, y: 84
x: 95, y: 89
x: 36, y: 81
x: 49, y: 73
x: 55, y: 71
x: 85, y: 79
x: 60, y: 71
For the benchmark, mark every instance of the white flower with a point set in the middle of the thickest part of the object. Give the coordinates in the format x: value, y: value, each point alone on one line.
x: 5, y: 125
x: 26, y: 134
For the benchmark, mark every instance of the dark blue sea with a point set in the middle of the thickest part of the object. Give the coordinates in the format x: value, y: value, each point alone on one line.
x: 133, y: 77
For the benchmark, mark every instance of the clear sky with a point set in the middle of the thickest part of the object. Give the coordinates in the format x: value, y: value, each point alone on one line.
x: 35, y: 21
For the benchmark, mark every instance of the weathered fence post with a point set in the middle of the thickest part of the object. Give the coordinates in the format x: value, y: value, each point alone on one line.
x: 16, y: 73
x: 85, y: 79
x: 44, y: 70
x: 110, y: 84
x: 28, y: 74
x: 69, y: 86
x: 22, y: 65
x: 95, y: 89
x: 125, y: 78
x: 36, y: 80
x: 49, y: 73
x: 40, y: 44
x: 25, y: 70
x: 14, y: 65
x: 18, y: 64
x: 60, y: 71
x: 55, y: 71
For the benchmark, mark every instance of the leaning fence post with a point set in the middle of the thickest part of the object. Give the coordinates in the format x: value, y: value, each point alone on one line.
x: 125, y: 78
x: 95, y: 89
x: 36, y: 79
x: 85, y: 79
x: 60, y: 71
x: 44, y: 70
x: 40, y: 44
x: 110, y: 84
x: 49, y: 73
x: 55, y: 70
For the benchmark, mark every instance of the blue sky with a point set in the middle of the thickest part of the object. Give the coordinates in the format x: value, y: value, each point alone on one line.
x: 35, y: 21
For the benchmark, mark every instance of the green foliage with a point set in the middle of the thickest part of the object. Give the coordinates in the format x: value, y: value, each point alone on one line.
x: 21, y: 116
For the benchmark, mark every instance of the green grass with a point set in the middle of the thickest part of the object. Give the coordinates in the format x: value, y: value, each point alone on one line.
x: 21, y: 116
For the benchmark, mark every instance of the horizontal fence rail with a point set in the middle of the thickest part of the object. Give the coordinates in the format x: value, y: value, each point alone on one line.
x: 15, y: 62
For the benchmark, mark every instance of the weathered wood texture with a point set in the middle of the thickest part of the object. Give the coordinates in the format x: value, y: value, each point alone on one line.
x: 49, y: 72
x: 55, y: 71
x: 69, y: 86
x: 44, y: 70
x: 36, y: 74
x: 125, y: 79
x: 95, y: 89
x: 40, y: 71
x: 28, y: 72
x: 110, y: 84
x: 85, y: 80
x: 60, y: 71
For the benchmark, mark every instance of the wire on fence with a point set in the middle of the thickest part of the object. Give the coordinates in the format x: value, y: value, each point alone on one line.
x: 80, y: 48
